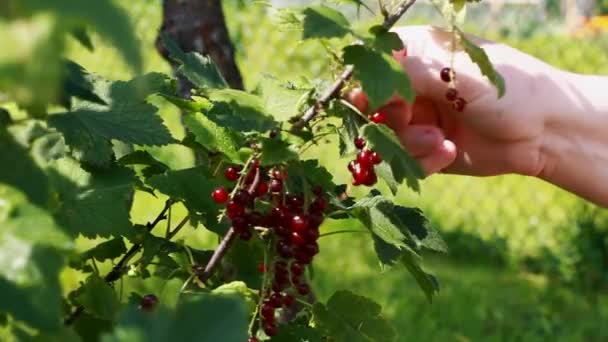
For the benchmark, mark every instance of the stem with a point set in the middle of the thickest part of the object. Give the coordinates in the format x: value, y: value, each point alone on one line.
x: 344, y: 232
x: 305, y: 303
x: 335, y: 89
x: 118, y: 269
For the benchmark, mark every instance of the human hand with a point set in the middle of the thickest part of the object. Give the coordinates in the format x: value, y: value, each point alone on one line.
x: 491, y: 136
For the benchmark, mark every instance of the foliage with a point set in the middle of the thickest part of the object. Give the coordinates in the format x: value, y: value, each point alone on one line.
x: 80, y: 152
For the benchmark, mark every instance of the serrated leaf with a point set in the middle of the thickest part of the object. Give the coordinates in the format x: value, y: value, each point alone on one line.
x: 78, y: 82
x: 323, y: 22
x: 20, y: 171
x: 239, y: 111
x: 312, y: 172
x: 479, y: 57
x: 197, y: 318
x: 348, y: 317
x: 200, y: 70
x: 427, y: 282
x: 214, y: 137
x: 384, y: 40
x: 99, y: 298
x: 276, y: 151
x: 384, y: 172
x: 368, y: 65
x: 141, y: 157
x: 194, y: 187
x: 92, y: 203
x: 97, y: 15
x: 196, y: 104
x: 90, y: 328
x: 106, y: 250
x: 298, y: 333
x: 383, y: 140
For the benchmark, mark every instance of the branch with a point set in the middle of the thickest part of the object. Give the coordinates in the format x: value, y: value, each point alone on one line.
x: 227, y: 240
x: 118, y: 269
x: 335, y: 89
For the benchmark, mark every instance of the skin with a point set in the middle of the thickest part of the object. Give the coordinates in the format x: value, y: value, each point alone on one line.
x: 550, y: 124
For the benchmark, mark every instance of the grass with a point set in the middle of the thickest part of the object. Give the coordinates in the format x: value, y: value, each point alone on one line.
x: 479, y: 301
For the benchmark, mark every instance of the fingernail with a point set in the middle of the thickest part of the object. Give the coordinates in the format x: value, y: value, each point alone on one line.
x: 426, y: 137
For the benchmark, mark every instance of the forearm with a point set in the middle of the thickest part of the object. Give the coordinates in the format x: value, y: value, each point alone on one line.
x: 575, y: 147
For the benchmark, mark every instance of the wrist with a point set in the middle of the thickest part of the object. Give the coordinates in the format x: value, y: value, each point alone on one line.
x: 575, y: 144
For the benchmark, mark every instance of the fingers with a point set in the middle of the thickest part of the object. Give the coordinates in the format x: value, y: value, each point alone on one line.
x: 438, y: 159
x: 420, y: 140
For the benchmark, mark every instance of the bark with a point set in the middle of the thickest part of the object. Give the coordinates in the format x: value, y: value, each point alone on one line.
x: 200, y: 26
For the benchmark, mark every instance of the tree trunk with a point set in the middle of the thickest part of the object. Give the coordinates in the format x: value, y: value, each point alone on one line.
x: 200, y: 26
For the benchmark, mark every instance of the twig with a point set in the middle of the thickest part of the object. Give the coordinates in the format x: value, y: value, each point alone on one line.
x: 335, y: 89
x: 227, y: 240
x: 118, y: 269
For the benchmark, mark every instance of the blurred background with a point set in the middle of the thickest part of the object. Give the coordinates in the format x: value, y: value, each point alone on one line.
x: 527, y: 261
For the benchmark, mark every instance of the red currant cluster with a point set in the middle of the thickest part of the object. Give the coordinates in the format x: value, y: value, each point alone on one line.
x: 362, y: 168
x: 294, y: 224
x: 148, y: 302
x: 458, y: 103
x: 297, y: 232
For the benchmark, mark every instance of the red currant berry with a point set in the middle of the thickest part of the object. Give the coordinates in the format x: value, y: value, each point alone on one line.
x: 282, y: 231
x: 255, y: 219
x: 359, y: 142
x: 311, y: 248
x: 451, y: 94
x: 317, y: 190
x: 311, y: 235
x: 446, y: 75
x: 296, y: 268
x: 232, y: 173
x: 276, y: 185
x: 378, y: 118
x: 318, y: 205
x: 240, y: 223
x: 148, y: 302
x: 255, y: 163
x: 298, y: 223
x: 314, y: 220
x: 243, y: 198
x: 278, y: 174
x: 276, y: 300
x: 303, y: 289
x: 352, y: 165
x: 284, y: 249
x: 267, y: 310
x: 288, y: 300
x: 262, y: 189
x: 279, y: 286
x: 297, y: 239
x: 234, y: 209
x: 375, y: 157
x: 246, y: 235
x: 220, y: 195
x: 365, y: 159
x: 360, y: 175
x: 280, y: 265
x: 261, y: 268
x: 270, y: 329
x: 295, y: 202
x: 253, y: 339
x: 371, y: 178
x: 459, y: 104
x: 273, y: 134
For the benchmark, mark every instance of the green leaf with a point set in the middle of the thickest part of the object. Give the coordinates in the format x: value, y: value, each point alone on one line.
x: 348, y: 317
x: 99, y: 298
x: 92, y: 204
x: 312, y: 172
x: 281, y: 100
x: 106, y: 250
x: 351, y: 121
x: 90, y: 328
x: 141, y: 157
x: 30, y: 262
x: 21, y: 172
x: 197, y: 318
x: 298, y: 333
x: 200, y: 70
x: 323, y: 22
x: 383, y: 140
x: 380, y: 75
x: 427, y: 282
x: 82, y: 36
x: 425, y: 236
x: 127, y: 117
x: 276, y: 151
x: 384, y: 40
x: 479, y: 57
x: 214, y: 137
x: 194, y: 187
x: 96, y: 15
x: 239, y: 288
x: 239, y: 111
x: 79, y: 83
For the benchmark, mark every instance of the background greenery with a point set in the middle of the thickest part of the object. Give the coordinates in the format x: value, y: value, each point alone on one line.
x: 529, y: 261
